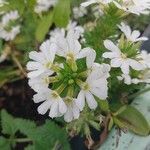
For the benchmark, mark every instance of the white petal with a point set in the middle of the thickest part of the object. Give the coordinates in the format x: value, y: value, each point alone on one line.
x: 68, y: 117
x: 44, y: 107
x: 141, y: 39
x: 109, y: 55
x: 76, y: 111
x: 127, y: 79
x: 34, y: 74
x: 125, y: 29
x: 136, y: 65
x: 80, y: 101
x: 101, y: 93
x: 116, y: 62
x: 54, y: 111
x: 37, y: 98
x: 32, y: 65
x: 36, y: 56
x: 90, y: 55
x: 111, y: 46
x: 125, y: 67
x: 49, y: 50
x: 90, y: 100
x: 62, y: 107
x: 73, y: 43
x: 85, y: 4
x: 135, y: 34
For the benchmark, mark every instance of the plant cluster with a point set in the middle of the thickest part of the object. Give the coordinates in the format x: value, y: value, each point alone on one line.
x: 85, y: 71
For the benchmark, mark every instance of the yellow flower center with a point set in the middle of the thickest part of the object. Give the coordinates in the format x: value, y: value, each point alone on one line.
x: 70, y: 56
x: 55, y: 95
x: 86, y: 87
x: 123, y: 56
x: 48, y: 65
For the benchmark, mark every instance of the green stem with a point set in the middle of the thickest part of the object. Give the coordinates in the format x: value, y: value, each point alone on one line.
x: 139, y: 93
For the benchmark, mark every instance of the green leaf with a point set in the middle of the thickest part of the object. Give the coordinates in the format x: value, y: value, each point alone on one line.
x: 104, y: 106
x: 94, y: 124
x: 127, y: 140
x: 25, y: 126
x: 62, y: 13
x: 111, y: 123
x: 7, y: 123
x: 43, y: 26
x: 132, y: 119
x: 51, y: 133
x: 4, y: 144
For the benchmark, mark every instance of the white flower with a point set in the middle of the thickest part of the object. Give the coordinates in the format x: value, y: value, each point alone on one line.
x: 127, y: 79
x: 144, y: 58
x: 89, y: 2
x: 143, y: 78
x: 12, y: 31
x: 73, y: 111
x: 119, y: 59
x: 42, y: 61
x: 134, y: 6
x: 44, y: 5
x: 79, y: 12
x: 78, y: 30
x: 133, y: 36
x: 95, y: 85
x: 60, y: 32
x: 70, y: 48
x: 51, y: 101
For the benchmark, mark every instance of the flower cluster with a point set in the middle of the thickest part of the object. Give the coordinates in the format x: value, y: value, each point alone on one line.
x: 65, y: 74
x: 61, y: 82
x: 127, y: 57
x: 8, y: 25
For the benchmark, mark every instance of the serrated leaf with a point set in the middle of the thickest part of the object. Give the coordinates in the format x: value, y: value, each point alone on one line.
x: 25, y: 126
x: 4, y: 144
x: 62, y: 13
x: 43, y: 26
x: 7, y: 123
x: 50, y: 132
x: 50, y: 137
x: 132, y: 119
